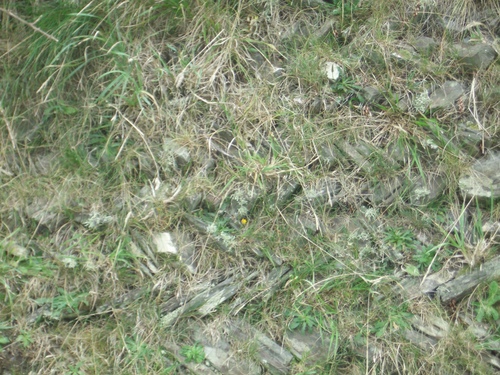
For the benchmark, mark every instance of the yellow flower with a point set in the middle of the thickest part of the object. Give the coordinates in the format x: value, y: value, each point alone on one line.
x: 244, y: 221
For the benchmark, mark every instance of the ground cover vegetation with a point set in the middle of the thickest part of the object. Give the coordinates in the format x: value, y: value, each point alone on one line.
x: 249, y: 187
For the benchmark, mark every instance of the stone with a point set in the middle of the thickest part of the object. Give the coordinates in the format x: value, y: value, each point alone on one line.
x: 452, y: 25
x: 464, y: 284
x: 446, y: 95
x: 371, y: 94
x: 165, y: 243
x: 308, y: 223
x: 312, y: 347
x: 220, y: 353
x: 272, y: 356
x: 403, y: 105
x: 285, y: 192
x: 242, y: 202
x: 483, y: 179
x: 177, y: 243
x: 325, y: 192
x: 203, y: 303
x: 384, y: 192
x: 475, y: 56
x: 193, y: 201
x: 316, y: 106
x: 424, y: 191
x: 469, y: 139
x: 176, y: 155
x: 16, y: 250
x: 424, y: 342
x: 425, y: 45
x: 403, y: 56
x: 45, y: 212
x: 492, y: 230
x: 328, y: 155
x: 490, y: 96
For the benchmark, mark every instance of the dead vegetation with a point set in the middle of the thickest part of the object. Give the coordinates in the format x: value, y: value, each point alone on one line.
x: 284, y: 187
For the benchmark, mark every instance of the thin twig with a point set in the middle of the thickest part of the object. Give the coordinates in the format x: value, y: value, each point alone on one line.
x: 9, y: 129
x: 32, y: 25
x: 472, y: 98
x: 441, y: 245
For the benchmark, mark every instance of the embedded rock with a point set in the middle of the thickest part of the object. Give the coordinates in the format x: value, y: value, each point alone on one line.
x: 483, y: 179
x: 272, y: 356
x: 311, y: 347
x: 371, y: 94
x: 475, y: 56
x: 425, y: 45
x: 424, y: 191
x: 323, y: 193
x: 177, y: 243
x: 463, y: 285
x: 445, y: 96
x: 222, y: 354
x: 176, y: 155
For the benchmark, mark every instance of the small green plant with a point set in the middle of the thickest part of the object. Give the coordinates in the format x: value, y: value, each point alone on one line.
x: 24, y: 338
x: 4, y: 340
x: 424, y: 258
x: 401, y: 239
x: 303, y: 318
x: 344, y: 8
x: 486, y: 308
x: 140, y: 353
x: 220, y: 230
x: 193, y: 353
x: 75, y: 369
x: 396, y: 319
x: 64, y: 303
x: 348, y: 87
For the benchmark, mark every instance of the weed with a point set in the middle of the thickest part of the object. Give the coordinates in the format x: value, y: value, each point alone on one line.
x: 400, y: 238
x: 466, y: 236
x: 348, y: 89
x: 63, y: 304
x: 25, y: 338
x: 424, y: 258
x: 396, y: 318
x: 4, y: 339
x: 221, y: 231
x: 193, y: 353
x: 97, y: 220
x: 140, y: 352
x: 303, y: 318
x: 486, y: 308
x: 76, y: 369
x: 343, y: 7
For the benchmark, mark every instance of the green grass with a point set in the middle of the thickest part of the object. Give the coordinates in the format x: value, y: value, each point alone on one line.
x: 99, y: 105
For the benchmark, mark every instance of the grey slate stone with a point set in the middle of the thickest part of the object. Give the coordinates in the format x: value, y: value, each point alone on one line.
x: 446, y: 95
x: 425, y: 45
x: 475, y: 56
x: 483, y: 178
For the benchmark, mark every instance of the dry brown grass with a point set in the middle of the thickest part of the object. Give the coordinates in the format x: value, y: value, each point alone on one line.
x: 90, y: 133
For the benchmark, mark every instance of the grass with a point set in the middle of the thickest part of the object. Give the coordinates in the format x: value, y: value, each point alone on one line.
x: 120, y: 120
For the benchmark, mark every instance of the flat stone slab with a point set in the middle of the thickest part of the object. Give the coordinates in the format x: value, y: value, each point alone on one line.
x: 310, y: 346
x: 483, y: 178
x: 272, y: 356
x: 475, y: 56
x: 465, y: 284
x: 446, y: 95
x: 221, y: 354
